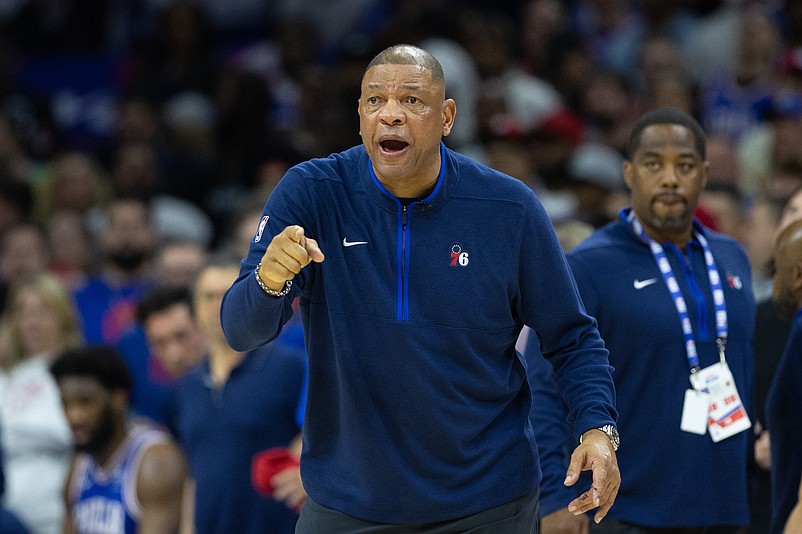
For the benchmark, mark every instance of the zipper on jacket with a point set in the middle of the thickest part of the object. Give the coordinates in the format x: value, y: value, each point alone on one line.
x: 403, y: 296
x: 402, y: 236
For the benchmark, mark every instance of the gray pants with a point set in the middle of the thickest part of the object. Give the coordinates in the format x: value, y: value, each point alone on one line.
x: 515, y: 517
x: 611, y: 526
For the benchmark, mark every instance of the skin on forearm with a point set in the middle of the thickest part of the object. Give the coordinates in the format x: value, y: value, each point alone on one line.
x: 160, y: 488
x: 794, y: 523
x: 188, y: 508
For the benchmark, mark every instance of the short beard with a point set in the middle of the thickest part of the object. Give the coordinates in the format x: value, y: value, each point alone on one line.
x: 671, y: 224
x: 102, y: 436
x: 129, y: 260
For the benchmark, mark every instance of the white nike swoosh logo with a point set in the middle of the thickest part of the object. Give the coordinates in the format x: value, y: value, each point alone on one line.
x: 347, y: 243
x: 640, y: 284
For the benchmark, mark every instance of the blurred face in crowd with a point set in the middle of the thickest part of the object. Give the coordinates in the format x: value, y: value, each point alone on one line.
x: 43, y: 318
x: 665, y: 176
x: 403, y: 114
x: 178, y: 264
x: 128, y: 239
x: 760, y: 223
x: 76, y: 182
x: 135, y: 172
x: 137, y: 122
x: 209, y: 290
x: 38, y: 323
x: 23, y: 253
x: 93, y: 412
x: 787, y: 288
x: 175, y: 339
x: 69, y: 242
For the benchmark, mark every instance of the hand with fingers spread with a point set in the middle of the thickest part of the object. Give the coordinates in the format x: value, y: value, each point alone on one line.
x: 288, y: 253
x: 594, y: 453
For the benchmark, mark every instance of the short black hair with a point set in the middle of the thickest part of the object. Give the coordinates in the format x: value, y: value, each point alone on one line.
x: 406, y: 54
x: 94, y: 361
x: 162, y: 298
x: 667, y: 116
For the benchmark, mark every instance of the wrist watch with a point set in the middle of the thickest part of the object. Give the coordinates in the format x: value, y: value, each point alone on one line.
x: 611, y: 432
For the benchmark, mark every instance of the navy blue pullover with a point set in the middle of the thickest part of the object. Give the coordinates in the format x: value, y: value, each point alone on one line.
x: 783, y: 409
x: 669, y: 478
x: 220, y: 428
x: 418, y: 403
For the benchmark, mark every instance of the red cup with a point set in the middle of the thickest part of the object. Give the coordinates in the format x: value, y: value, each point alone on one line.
x: 267, y: 464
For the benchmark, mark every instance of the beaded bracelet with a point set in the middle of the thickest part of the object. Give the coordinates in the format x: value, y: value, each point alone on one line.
x: 271, y: 292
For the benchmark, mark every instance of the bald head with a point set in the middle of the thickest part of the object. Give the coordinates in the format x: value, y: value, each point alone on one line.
x: 790, y: 237
x: 404, y: 54
x: 787, y: 290
x: 792, y: 211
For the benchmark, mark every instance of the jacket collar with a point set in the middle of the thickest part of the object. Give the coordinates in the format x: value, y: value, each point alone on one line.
x: 442, y: 188
x: 698, y: 227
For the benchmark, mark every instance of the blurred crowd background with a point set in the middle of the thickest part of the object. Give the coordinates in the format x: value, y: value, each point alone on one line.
x: 200, y: 106
x: 197, y: 108
x: 137, y: 137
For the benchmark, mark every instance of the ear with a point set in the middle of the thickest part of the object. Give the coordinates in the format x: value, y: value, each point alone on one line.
x: 796, y: 278
x: 449, y: 114
x: 359, y: 113
x: 119, y: 400
x: 705, y: 173
x: 629, y: 173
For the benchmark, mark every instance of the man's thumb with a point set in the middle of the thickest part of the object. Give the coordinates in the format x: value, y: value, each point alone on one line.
x: 572, y: 473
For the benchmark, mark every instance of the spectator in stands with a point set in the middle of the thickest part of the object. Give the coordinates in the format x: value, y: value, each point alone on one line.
x: 107, y: 299
x: 23, y: 254
x: 9, y: 524
x: 41, y: 322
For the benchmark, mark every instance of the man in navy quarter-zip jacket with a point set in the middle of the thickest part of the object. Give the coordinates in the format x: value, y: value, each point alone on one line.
x: 644, y: 276
x: 416, y: 269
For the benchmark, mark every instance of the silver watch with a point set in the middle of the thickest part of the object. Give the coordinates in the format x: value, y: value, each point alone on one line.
x: 611, y: 432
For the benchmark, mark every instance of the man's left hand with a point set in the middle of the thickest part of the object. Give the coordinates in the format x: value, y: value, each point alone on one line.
x: 596, y: 454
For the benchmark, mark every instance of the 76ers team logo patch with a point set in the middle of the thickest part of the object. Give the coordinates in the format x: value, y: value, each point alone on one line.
x: 734, y: 281
x: 459, y: 257
x: 261, y: 229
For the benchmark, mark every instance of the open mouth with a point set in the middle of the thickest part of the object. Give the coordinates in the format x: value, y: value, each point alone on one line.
x: 392, y: 146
